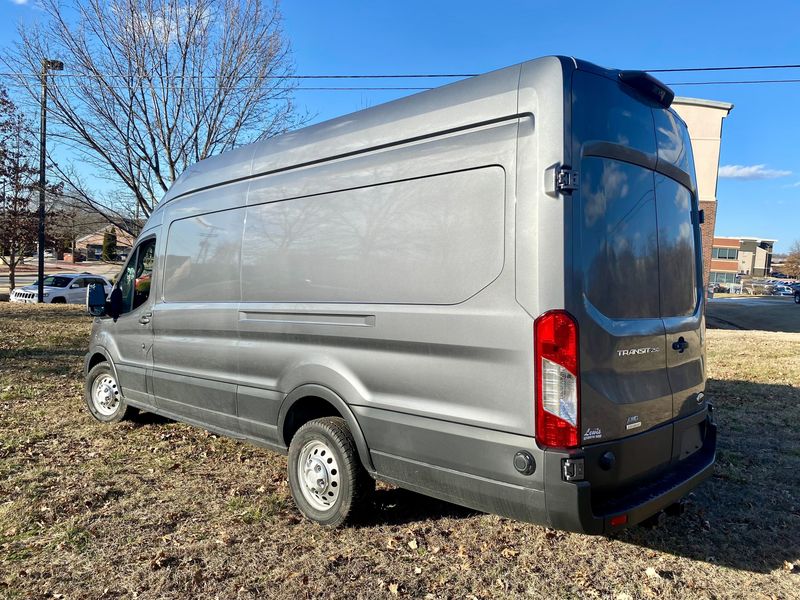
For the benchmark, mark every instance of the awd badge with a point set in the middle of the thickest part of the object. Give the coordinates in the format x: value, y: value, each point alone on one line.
x: 633, y: 422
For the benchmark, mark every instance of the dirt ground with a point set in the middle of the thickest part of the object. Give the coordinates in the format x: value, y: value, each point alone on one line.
x: 156, y: 509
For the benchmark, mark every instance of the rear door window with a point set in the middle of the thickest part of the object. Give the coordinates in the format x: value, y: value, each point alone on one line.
x: 676, y: 248
x: 619, y: 239
x: 624, y: 120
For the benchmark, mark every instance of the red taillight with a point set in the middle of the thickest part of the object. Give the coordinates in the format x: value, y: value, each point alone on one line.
x: 555, y: 339
x: 618, y: 520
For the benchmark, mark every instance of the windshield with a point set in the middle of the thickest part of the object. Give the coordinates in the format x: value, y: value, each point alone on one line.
x: 55, y: 281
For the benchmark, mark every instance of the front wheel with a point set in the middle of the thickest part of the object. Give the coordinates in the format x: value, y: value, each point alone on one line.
x: 325, y: 474
x: 797, y: 297
x: 103, y: 397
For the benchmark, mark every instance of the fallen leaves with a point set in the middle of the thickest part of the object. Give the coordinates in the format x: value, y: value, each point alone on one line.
x: 508, y: 553
x: 183, y: 529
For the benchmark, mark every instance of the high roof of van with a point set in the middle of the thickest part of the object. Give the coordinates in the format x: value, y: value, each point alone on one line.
x: 485, y: 98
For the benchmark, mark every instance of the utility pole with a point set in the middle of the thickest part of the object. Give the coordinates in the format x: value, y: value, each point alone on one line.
x: 47, y: 65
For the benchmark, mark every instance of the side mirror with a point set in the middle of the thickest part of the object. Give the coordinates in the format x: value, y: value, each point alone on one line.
x: 96, y: 300
x: 115, y: 304
x: 74, y: 286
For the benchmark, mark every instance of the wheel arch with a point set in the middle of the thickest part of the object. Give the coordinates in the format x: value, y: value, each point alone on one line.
x: 98, y: 355
x: 310, y: 401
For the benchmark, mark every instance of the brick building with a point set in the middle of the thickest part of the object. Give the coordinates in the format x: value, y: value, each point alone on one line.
x: 734, y: 257
x: 90, y: 246
x: 704, y: 120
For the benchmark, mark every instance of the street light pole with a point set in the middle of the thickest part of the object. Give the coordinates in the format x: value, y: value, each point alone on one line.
x: 54, y: 65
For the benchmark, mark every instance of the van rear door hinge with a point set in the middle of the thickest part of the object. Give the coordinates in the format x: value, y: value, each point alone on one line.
x: 567, y: 180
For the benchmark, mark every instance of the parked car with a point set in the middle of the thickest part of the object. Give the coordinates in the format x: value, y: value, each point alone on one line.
x: 452, y: 292
x: 63, y: 288
x: 782, y: 290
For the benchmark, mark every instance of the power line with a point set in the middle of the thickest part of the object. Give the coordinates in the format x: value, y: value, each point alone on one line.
x: 745, y: 82
x: 173, y: 86
x: 697, y: 69
x: 279, y: 90
x: 144, y: 76
x: 387, y: 76
x: 75, y: 87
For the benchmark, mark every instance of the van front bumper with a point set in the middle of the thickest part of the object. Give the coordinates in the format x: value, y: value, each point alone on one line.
x: 581, y: 507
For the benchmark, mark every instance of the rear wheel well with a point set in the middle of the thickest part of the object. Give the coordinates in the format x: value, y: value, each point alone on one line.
x: 304, y: 410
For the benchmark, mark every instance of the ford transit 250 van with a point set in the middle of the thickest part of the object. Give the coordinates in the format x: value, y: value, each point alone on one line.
x: 488, y: 293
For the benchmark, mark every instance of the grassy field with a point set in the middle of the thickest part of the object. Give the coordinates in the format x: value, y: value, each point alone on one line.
x: 156, y: 509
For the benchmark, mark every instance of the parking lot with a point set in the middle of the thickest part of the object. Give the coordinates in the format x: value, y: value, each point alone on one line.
x: 760, y: 313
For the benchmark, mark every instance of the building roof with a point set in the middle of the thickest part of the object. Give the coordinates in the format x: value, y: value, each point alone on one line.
x: 757, y: 240
x: 744, y: 238
x: 122, y: 236
x: 703, y: 102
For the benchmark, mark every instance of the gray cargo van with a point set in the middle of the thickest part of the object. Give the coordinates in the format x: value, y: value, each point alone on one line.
x: 488, y: 293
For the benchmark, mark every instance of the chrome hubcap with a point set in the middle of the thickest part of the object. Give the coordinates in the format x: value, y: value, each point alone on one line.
x: 105, y: 395
x: 318, y: 474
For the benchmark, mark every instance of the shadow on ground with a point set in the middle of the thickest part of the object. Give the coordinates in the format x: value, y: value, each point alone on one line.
x: 44, y: 313
x: 746, y: 516
x: 400, y: 507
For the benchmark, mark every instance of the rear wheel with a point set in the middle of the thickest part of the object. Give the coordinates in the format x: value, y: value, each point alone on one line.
x: 797, y: 297
x: 103, y: 396
x: 327, y: 480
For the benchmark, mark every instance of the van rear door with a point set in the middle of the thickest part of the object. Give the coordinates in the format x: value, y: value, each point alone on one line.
x: 634, y: 272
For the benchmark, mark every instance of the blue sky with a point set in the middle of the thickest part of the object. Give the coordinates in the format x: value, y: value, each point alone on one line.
x: 473, y: 37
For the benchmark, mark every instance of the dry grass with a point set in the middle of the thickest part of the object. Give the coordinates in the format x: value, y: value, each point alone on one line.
x: 155, y: 509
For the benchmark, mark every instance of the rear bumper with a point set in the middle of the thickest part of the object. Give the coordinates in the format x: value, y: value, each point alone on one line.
x: 576, y: 506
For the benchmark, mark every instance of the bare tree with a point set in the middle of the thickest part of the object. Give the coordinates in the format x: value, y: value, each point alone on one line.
x: 68, y: 220
x: 152, y: 86
x: 18, y: 174
x: 791, y: 266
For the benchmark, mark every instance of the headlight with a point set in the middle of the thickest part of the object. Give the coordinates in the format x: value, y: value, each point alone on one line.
x: 46, y: 294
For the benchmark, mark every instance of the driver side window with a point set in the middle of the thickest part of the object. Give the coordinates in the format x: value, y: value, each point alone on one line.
x: 134, y: 281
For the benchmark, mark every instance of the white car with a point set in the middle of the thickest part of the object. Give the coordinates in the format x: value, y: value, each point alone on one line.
x: 783, y: 290
x: 64, y: 288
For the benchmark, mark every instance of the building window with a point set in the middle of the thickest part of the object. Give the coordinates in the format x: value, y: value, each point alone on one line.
x: 716, y: 277
x: 725, y: 253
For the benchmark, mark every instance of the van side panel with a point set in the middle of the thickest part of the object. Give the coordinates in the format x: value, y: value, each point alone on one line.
x: 539, y: 222
x: 432, y: 240
x: 195, y: 368
x: 462, y: 358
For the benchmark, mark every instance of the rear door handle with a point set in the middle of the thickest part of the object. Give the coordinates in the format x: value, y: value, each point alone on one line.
x: 145, y: 318
x: 680, y: 345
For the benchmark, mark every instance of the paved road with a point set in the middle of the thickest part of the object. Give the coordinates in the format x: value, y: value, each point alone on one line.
x: 28, y: 277
x: 776, y: 313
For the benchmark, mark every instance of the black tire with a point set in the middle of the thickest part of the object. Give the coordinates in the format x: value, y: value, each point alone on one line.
x: 328, y: 444
x: 797, y: 297
x: 59, y: 301
x: 114, y: 408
